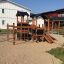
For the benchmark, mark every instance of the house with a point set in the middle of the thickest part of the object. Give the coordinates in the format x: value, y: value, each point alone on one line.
x: 50, y: 20
x: 38, y: 20
x: 55, y: 19
x: 8, y: 10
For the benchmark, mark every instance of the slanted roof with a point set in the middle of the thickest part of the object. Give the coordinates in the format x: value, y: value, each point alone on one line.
x: 60, y: 10
x: 55, y: 11
x: 37, y: 15
x: 21, y: 13
x: 1, y: 1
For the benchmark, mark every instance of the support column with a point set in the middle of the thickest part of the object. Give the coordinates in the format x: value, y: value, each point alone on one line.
x: 27, y: 19
x: 13, y: 34
x: 48, y: 25
x: 36, y: 21
x: 7, y: 32
x: 52, y: 25
x: 32, y: 21
x: 17, y: 19
x: 21, y: 19
x: 59, y: 25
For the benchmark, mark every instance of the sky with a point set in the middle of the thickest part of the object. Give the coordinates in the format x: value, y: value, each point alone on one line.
x: 39, y: 6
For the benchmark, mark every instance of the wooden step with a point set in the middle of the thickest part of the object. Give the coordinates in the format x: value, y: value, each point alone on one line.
x: 47, y: 38
x: 50, y: 38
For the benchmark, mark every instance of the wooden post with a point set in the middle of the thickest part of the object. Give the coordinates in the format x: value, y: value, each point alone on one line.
x: 27, y: 19
x: 59, y: 24
x: 48, y: 25
x: 13, y: 34
x: 32, y: 21
x: 52, y: 25
x: 39, y: 25
x: 22, y: 18
x: 36, y: 21
x: 17, y: 19
x: 21, y: 28
x: 7, y: 32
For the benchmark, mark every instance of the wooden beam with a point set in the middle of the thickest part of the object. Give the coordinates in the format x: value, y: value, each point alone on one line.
x: 48, y: 25
x: 13, y: 34
x: 32, y: 21
x: 21, y: 19
x: 59, y: 24
x: 52, y: 25
x: 27, y: 19
x: 36, y: 21
x: 17, y: 19
x: 7, y: 32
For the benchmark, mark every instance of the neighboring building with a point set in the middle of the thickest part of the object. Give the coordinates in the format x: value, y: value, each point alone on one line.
x: 8, y: 10
x: 40, y: 21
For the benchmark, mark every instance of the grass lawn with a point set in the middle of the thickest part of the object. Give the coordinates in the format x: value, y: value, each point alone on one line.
x: 4, y: 31
x: 58, y: 53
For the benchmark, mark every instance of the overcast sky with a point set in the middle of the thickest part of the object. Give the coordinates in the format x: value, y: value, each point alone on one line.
x: 38, y: 6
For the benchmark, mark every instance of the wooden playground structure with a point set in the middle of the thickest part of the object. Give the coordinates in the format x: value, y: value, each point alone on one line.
x: 25, y: 32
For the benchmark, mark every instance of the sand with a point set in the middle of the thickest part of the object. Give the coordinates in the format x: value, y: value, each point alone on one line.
x: 29, y: 52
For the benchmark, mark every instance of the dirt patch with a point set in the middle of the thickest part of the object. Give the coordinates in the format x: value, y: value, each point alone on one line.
x: 27, y: 53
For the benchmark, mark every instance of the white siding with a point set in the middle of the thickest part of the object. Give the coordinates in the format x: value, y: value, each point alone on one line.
x: 9, y: 14
x: 40, y: 22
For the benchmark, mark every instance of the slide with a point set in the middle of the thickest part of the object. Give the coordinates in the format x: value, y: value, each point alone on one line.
x: 48, y: 38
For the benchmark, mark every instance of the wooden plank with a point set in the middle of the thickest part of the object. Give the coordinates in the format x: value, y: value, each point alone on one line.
x: 49, y: 41
x: 22, y: 31
x: 50, y: 38
x: 38, y: 35
x: 19, y: 26
x: 17, y: 19
x: 48, y: 25
x: 13, y: 34
x: 7, y: 32
x: 52, y: 24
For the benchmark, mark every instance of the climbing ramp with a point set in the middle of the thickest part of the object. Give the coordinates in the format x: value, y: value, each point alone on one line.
x: 49, y: 38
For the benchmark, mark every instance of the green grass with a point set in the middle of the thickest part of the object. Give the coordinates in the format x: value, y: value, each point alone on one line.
x: 58, y: 53
x: 4, y: 31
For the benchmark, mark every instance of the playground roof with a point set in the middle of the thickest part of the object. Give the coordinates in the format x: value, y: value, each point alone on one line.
x: 21, y: 13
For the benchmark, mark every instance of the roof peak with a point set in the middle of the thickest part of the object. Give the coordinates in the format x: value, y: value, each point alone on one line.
x: 10, y: 1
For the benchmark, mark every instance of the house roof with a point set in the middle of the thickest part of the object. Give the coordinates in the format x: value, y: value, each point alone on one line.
x: 1, y: 1
x: 37, y: 15
x: 55, y: 11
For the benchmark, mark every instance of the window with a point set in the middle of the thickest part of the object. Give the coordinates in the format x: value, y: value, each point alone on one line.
x: 2, y: 10
x: 3, y: 22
